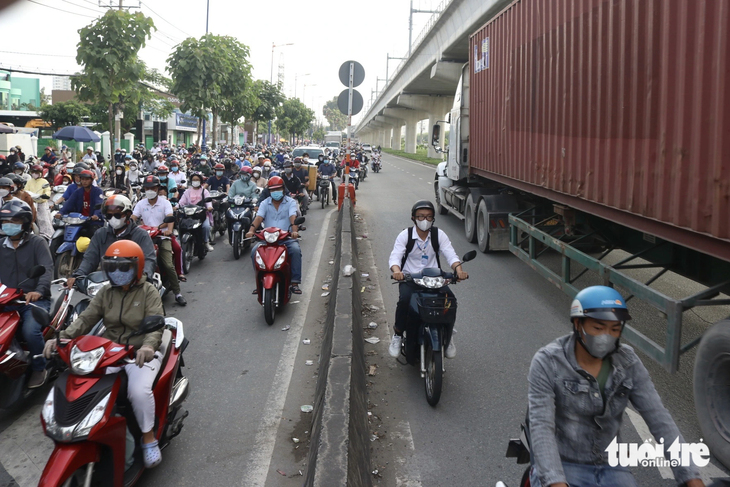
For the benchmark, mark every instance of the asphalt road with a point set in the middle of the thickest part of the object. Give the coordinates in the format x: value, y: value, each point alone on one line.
x: 247, y: 379
x: 506, y: 313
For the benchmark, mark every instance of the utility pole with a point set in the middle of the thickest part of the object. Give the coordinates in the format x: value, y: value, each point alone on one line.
x: 410, y: 23
x: 204, y: 145
x: 387, y: 76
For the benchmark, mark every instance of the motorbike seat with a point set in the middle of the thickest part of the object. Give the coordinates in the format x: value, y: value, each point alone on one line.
x: 164, y: 351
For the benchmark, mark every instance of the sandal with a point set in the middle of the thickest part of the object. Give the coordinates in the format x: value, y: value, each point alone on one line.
x: 182, y: 278
x: 151, y: 454
x: 295, y: 289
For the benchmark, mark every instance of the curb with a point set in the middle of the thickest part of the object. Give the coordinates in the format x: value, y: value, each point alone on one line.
x: 415, y: 161
x: 339, y: 438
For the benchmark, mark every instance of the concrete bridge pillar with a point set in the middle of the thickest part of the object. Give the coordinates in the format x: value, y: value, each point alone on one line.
x: 435, y: 106
x: 395, y: 139
x: 411, y: 118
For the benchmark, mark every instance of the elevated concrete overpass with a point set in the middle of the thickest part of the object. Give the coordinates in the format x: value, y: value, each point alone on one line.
x: 423, y: 85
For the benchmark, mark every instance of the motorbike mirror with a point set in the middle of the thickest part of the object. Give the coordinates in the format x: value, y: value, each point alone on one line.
x: 150, y: 324
x: 299, y: 220
x: 36, y: 271
x: 169, y: 219
x: 45, y: 197
x: 208, y: 199
x: 40, y: 315
x: 469, y: 256
x: 173, y: 200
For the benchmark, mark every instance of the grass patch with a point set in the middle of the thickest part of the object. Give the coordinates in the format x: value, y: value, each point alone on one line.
x: 420, y: 155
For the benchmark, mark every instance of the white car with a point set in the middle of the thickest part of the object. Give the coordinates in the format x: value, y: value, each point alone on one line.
x: 367, y: 148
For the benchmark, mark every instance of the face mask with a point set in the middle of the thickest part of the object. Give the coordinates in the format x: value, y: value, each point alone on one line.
x: 19, y: 173
x: 297, y: 166
x: 219, y: 173
x: 277, y: 195
x: 256, y: 175
x: 117, y: 223
x: 163, y: 178
x: 119, y: 172
x: 204, y: 163
x: 424, y: 225
x: 121, y: 278
x: 288, y: 170
x: 12, y: 229
x: 132, y: 168
x: 599, y: 346
x: 35, y: 175
x: 246, y: 179
x: 175, y: 169
x: 150, y: 195
x: 195, y: 184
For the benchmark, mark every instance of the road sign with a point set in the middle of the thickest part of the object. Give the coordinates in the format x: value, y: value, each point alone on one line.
x: 358, y: 74
x: 356, y: 101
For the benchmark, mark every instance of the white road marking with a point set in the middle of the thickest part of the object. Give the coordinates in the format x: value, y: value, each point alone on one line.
x: 258, y: 466
x: 407, y: 474
x: 708, y: 472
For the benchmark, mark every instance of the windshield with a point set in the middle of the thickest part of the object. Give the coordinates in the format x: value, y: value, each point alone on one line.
x: 333, y: 144
x: 313, y: 152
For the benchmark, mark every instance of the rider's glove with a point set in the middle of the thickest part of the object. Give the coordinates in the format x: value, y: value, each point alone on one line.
x: 144, y: 354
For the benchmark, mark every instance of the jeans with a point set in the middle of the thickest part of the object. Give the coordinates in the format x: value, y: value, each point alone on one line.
x: 579, y: 475
x: 206, y: 230
x: 32, y: 331
x: 295, y: 254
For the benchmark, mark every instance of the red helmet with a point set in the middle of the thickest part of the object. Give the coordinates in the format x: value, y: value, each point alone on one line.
x: 219, y: 166
x: 162, y: 168
x: 275, y: 182
x: 36, y: 168
x: 247, y: 170
x: 87, y: 174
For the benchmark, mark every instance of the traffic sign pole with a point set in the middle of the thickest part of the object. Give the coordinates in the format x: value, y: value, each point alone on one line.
x: 349, y: 105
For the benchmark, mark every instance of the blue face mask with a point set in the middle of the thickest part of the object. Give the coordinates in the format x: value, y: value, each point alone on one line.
x: 163, y: 178
x: 277, y: 195
x: 175, y: 169
x: 121, y: 278
x: 219, y: 173
x: 246, y: 178
x: 12, y: 229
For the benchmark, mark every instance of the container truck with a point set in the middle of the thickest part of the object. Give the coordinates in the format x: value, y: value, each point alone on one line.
x: 583, y: 128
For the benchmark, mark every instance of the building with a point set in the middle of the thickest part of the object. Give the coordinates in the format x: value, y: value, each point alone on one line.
x: 19, y: 94
x: 62, y: 83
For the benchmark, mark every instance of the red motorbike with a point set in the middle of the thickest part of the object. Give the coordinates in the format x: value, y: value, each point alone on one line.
x: 14, y: 355
x: 273, y: 270
x: 90, y: 419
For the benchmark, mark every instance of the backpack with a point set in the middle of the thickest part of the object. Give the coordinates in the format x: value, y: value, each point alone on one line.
x: 412, y: 242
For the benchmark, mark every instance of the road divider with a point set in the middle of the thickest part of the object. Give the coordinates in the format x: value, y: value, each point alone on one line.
x: 340, y: 446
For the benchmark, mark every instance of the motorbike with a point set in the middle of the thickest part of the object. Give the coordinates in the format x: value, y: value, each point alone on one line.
x: 436, y: 314
x: 240, y: 214
x: 376, y: 164
x: 273, y: 270
x: 88, y: 416
x: 219, y: 211
x: 354, y: 178
x: 155, y: 234
x: 14, y: 355
x: 67, y: 232
x: 190, y: 230
x: 363, y: 171
x: 325, y: 183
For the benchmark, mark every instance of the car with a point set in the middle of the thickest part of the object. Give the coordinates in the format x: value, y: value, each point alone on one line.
x: 367, y: 148
x: 313, y: 152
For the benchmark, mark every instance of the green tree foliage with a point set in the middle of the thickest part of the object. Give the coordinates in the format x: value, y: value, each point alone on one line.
x: 212, y: 74
x: 64, y: 113
x: 336, y: 119
x: 108, y: 53
x: 270, y: 98
x: 293, y: 117
x: 318, y: 133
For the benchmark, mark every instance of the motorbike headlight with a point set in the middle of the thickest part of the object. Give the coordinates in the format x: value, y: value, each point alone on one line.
x: 73, y: 221
x: 84, y: 363
x: 93, y: 418
x: 431, y: 282
x: 260, y: 261
x: 238, y: 200
x: 190, y: 211
x: 280, y: 260
x: 271, y: 237
x: 93, y: 287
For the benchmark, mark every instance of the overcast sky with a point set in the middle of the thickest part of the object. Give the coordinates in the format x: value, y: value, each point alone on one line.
x: 325, y: 33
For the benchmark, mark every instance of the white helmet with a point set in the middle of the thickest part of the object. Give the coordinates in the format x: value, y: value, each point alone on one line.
x: 267, y: 164
x: 70, y: 166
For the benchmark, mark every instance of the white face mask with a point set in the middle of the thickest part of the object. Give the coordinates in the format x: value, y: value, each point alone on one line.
x: 119, y: 172
x: 4, y: 193
x: 150, y: 195
x: 195, y: 184
x: 35, y: 175
x: 117, y: 223
x: 424, y: 225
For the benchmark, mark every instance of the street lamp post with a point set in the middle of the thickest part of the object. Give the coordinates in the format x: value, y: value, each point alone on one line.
x: 271, y: 78
x: 296, y: 82
x: 204, y: 147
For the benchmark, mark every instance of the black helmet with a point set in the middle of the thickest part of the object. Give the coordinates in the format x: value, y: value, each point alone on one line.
x: 151, y: 181
x: 18, y: 181
x: 81, y: 166
x: 17, y: 209
x: 422, y: 204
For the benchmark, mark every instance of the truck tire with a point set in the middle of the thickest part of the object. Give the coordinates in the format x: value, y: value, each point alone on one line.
x: 482, y: 227
x: 712, y: 389
x: 470, y: 219
x: 440, y: 209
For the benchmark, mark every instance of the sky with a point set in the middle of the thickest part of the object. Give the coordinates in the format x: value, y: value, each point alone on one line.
x: 42, y: 35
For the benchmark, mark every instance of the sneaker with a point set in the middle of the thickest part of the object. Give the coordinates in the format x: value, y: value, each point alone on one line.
x: 394, y: 348
x: 37, y: 378
x: 209, y: 247
x: 451, y: 349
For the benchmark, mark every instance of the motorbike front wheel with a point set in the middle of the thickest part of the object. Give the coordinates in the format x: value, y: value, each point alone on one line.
x: 64, y: 265
x: 434, y: 371
x: 269, y: 306
x: 236, y: 245
x: 188, y: 255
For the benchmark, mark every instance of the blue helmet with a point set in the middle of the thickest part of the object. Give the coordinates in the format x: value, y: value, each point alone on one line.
x: 601, y: 303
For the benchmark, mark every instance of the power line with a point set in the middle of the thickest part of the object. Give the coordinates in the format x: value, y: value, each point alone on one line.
x: 37, y: 54
x: 165, y: 20
x: 81, y: 6
x: 61, y: 10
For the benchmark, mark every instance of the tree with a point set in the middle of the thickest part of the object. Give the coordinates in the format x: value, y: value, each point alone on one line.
x: 318, y: 133
x: 336, y: 119
x: 212, y: 74
x: 64, y: 113
x: 108, y: 53
x: 293, y: 117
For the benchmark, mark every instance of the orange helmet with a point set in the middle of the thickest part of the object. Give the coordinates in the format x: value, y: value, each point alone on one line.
x: 275, y: 182
x: 123, y: 255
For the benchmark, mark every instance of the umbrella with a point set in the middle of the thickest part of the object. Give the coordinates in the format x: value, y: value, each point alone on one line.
x: 6, y: 129
x: 77, y: 133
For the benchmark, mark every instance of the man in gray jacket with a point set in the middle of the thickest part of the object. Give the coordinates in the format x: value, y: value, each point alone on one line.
x: 117, y: 210
x: 20, y: 251
x: 579, y: 387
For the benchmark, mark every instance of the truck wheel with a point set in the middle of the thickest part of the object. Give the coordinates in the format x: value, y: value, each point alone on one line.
x: 483, y: 227
x: 712, y: 389
x: 470, y: 219
x: 437, y: 198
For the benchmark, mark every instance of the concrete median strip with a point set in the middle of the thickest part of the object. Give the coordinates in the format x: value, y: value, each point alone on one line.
x: 340, y: 451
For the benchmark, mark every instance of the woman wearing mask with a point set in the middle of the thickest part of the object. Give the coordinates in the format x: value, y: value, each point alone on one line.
x: 38, y: 187
x: 257, y: 179
x: 194, y: 195
x: 119, y: 180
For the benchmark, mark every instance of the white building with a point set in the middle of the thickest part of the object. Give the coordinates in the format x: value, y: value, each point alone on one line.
x: 62, y: 83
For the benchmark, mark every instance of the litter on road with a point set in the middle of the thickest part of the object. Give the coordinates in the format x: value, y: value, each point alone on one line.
x: 307, y: 408
x: 372, y: 369
x: 306, y: 341
x: 372, y: 325
x: 348, y: 270
x: 309, y: 362
x: 325, y: 294
x: 372, y: 340
x: 286, y: 328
